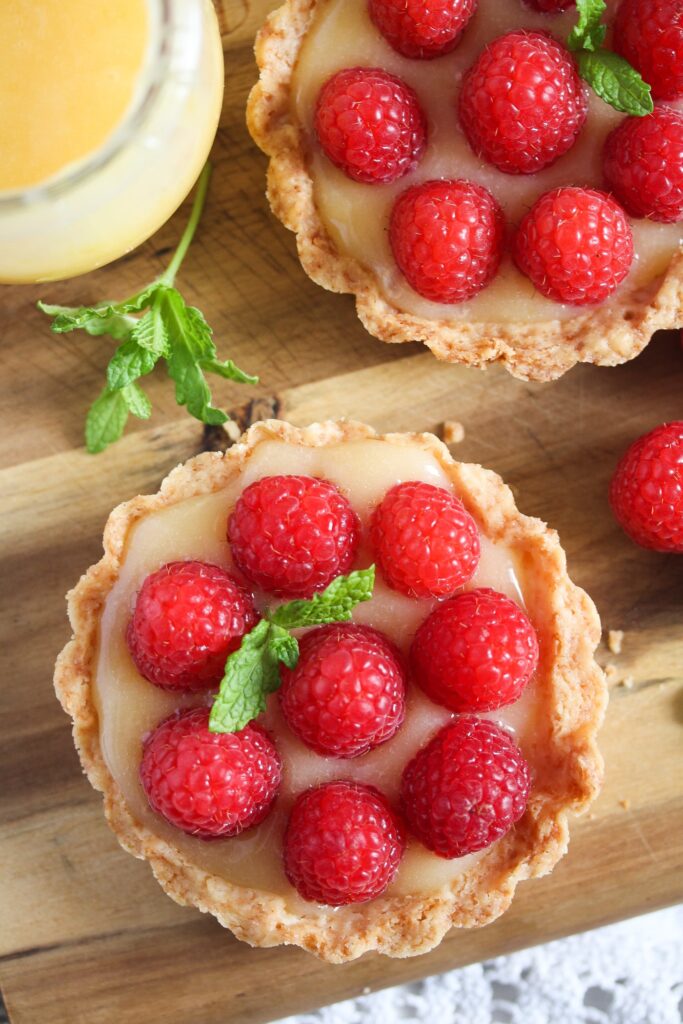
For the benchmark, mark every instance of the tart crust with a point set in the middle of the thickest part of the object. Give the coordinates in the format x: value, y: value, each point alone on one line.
x: 531, y: 351
x: 395, y: 925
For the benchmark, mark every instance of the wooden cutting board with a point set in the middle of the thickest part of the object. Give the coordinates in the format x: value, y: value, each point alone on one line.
x: 86, y: 935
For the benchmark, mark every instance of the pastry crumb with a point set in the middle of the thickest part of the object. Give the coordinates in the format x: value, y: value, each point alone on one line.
x: 615, y: 678
x: 366, y: 991
x: 615, y: 639
x: 453, y: 432
x: 625, y: 803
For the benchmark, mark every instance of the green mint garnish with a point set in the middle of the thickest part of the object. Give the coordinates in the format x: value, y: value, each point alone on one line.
x: 252, y: 672
x: 169, y: 329
x: 608, y: 74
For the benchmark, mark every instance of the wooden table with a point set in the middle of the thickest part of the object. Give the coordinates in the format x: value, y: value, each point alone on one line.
x: 87, y: 936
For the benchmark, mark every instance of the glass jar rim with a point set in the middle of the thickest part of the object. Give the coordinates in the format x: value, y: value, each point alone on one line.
x: 152, y: 75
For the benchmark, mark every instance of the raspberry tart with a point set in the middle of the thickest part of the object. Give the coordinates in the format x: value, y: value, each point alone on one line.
x: 445, y: 163
x: 336, y: 689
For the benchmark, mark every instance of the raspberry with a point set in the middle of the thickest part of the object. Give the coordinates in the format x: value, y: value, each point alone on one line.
x: 649, y: 34
x: 447, y: 238
x: 188, y: 617
x: 466, y: 788
x: 575, y: 244
x: 422, y: 29
x: 549, y: 6
x: 208, y: 784
x: 347, y: 692
x: 292, y: 535
x: 522, y: 103
x: 370, y: 124
x: 643, y: 164
x: 476, y: 652
x: 426, y: 543
x: 343, y: 844
x: 646, y: 492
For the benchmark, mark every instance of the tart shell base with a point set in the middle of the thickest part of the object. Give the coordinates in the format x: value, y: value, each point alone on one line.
x: 531, y: 351
x: 398, y: 926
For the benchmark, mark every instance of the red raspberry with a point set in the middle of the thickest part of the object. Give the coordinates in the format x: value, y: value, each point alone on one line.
x: 208, y: 784
x: 643, y: 164
x: 649, y: 34
x: 476, y: 652
x: 422, y: 29
x: 447, y: 238
x: 522, y: 104
x: 426, y: 543
x: 343, y: 844
x: 549, y: 6
x: 646, y: 492
x: 466, y: 788
x: 188, y: 617
x: 575, y: 244
x: 347, y: 692
x: 292, y: 535
x: 370, y: 124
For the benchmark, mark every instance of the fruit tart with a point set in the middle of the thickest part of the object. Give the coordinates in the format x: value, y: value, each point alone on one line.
x: 445, y: 163
x: 335, y: 688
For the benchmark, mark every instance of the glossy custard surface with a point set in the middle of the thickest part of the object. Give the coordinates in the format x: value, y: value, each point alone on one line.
x: 129, y: 706
x: 356, y: 215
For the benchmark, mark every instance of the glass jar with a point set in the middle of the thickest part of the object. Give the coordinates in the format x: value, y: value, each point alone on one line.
x: 113, y: 199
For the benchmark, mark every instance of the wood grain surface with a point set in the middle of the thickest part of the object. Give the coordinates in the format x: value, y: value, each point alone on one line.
x: 86, y: 935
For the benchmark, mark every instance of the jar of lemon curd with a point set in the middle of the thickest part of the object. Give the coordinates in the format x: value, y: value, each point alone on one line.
x: 107, y: 114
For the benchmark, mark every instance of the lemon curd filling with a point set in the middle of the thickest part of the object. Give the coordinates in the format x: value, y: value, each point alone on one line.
x: 129, y: 707
x: 356, y: 215
x: 67, y: 77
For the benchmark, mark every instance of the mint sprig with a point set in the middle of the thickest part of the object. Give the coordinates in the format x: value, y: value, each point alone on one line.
x: 252, y: 672
x: 609, y: 75
x: 167, y: 330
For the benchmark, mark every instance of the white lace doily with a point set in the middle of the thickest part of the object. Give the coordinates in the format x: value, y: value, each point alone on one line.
x: 627, y: 973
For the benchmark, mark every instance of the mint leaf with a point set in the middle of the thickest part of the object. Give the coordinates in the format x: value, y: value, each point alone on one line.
x: 616, y: 82
x: 190, y: 342
x: 334, y: 604
x: 129, y: 362
x: 589, y: 32
x: 251, y: 673
x: 137, y: 401
x: 105, y: 421
x: 228, y: 370
x: 93, y: 320
x: 150, y: 331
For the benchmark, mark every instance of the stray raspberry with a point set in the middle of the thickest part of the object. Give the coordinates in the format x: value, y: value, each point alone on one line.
x: 426, y: 543
x: 643, y: 164
x: 575, y: 245
x: 466, y: 788
x: 370, y: 124
x: 476, y: 652
x: 447, y: 239
x: 649, y: 34
x: 343, y: 844
x: 522, y: 104
x: 347, y: 692
x: 422, y: 29
x: 210, y: 785
x: 646, y: 492
x: 292, y: 535
x: 188, y: 617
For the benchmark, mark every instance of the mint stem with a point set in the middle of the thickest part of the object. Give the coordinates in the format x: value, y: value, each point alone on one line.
x: 188, y: 234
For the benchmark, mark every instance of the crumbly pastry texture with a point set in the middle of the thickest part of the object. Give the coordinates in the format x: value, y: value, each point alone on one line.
x: 573, y: 703
x: 606, y: 335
